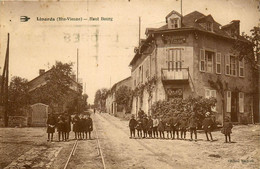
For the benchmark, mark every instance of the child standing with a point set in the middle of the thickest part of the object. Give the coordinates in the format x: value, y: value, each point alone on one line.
x: 183, y: 128
x: 139, y: 127
x: 75, y: 122
x: 207, y: 126
x: 193, y: 124
x: 150, y: 126
x: 132, y: 125
x: 175, y: 127
x: 226, y: 130
x: 60, y: 128
x: 144, y: 125
x: 89, y: 126
x: 155, y: 126
x: 161, y: 128
x: 50, y: 126
x: 168, y: 128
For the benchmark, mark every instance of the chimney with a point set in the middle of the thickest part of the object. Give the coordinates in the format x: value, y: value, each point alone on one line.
x: 41, y: 71
x: 236, y: 24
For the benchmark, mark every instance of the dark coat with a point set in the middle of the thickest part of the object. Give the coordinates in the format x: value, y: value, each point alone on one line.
x: 207, y: 124
x: 76, y: 124
x: 175, y: 123
x: 183, y: 124
x: 89, y: 124
x: 150, y: 125
x: 193, y: 122
x: 67, y: 123
x: 139, y: 125
x: 51, y: 124
x: 227, y: 126
x: 161, y: 126
x: 145, y: 122
x: 61, y: 125
x: 132, y: 123
x: 168, y: 126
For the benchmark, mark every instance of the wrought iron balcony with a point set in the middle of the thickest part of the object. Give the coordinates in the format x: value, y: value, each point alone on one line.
x: 175, y: 75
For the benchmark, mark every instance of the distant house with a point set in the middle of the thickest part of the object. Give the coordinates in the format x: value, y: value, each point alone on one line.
x: 40, y: 81
x: 111, y: 105
x: 188, y: 52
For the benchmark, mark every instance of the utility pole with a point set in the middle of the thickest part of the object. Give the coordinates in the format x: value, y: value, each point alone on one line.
x: 77, y: 65
x: 181, y: 12
x: 4, y: 85
x: 139, y: 38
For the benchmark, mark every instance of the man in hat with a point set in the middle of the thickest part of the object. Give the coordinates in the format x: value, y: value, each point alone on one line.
x: 207, y: 126
x: 145, y: 122
x: 150, y: 126
x: 132, y: 125
x: 193, y: 124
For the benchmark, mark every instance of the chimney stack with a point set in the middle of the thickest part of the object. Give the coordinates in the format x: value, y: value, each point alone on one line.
x: 41, y: 71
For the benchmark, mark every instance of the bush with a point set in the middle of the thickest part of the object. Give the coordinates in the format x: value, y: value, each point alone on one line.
x: 183, y: 108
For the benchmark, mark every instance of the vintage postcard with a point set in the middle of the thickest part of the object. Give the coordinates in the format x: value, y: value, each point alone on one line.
x: 129, y: 84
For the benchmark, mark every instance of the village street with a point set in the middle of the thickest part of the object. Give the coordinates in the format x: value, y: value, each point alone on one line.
x: 121, y: 152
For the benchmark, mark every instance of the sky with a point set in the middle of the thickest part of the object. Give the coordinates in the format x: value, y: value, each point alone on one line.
x: 105, y: 47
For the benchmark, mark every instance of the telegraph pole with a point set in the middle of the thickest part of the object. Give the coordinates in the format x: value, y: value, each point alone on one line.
x: 4, y: 85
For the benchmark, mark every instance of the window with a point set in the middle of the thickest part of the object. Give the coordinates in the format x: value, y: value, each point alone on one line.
x: 227, y: 61
x: 218, y: 63
x: 209, y: 61
x: 210, y: 93
x: 175, y: 23
x: 147, y: 73
x: 202, y: 60
x: 209, y: 26
x: 141, y: 74
x: 174, y: 60
x: 241, y: 68
x: 228, y: 101
x: 233, y: 66
x: 241, y: 102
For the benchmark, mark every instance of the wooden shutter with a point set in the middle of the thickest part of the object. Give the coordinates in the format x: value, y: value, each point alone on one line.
x: 241, y: 102
x: 202, y: 60
x: 227, y: 64
x: 228, y: 101
x: 218, y: 63
x: 213, y: 93
x: 241, y: 68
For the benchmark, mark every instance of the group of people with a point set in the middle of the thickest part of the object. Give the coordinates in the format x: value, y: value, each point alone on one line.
x: 82, y: 126
x: 148, y: 127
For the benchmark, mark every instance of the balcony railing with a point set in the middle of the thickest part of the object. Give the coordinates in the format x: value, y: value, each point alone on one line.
x: 175, y: 74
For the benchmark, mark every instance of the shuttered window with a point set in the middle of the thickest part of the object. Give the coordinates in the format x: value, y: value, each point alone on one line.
x: 218, y: 63
x: 210, y: 93
x: 241, y: 68
x: 241, y: 102
x: 227, y: 62
x: 228, y: 101
x: 202, y: 60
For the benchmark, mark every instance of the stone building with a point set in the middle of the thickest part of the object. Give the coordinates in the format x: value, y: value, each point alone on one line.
x: 40, y: 81
x: 111, y: 105
x: 186, y: 54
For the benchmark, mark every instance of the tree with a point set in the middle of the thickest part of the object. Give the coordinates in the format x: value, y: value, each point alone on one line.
x: 18, y: 95
x: 57, y: 87
x: 100, y: 98
x: 123, y: 96
x: 249, y: 48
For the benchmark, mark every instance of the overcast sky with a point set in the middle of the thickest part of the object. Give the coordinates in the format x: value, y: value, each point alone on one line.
x: 105, y: 47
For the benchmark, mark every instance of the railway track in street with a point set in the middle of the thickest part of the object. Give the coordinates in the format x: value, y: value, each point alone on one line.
x: 98, y: 147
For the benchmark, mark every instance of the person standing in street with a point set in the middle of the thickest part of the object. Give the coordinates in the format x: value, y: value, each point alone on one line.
x: 168, y: 128
x: 183, y: 128
x: 161, y: 128
x: 89, y: 126
x: 132, y: 125
x: 226, y: 130
x: 67, y: 125
x: 139, y: 127
x: 150, y: 126
x: 61, y: 128
x: 207, y: 126
x: 75, y: 122
x: 193, y: 124
x: 155, y: 126
x: 145, y: 122
x: 175, y: 127
x: 50, y: 126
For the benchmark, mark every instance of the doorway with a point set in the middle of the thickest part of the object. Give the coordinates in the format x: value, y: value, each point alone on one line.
x: 234, y: 106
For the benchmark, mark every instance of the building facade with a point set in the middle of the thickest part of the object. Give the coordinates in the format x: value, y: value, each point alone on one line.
x: 189, y: 54
x: 111, y: 105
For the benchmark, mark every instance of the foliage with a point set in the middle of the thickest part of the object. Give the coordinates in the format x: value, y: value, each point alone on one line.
x: 183, y: 108
x: 249, y: 50
x: 57, y: 87
x: 18, y: 95
x: 123, y: 96
x: 100, y: 98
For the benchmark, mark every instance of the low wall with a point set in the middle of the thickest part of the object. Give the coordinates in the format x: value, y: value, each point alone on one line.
x: 17, y: 121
